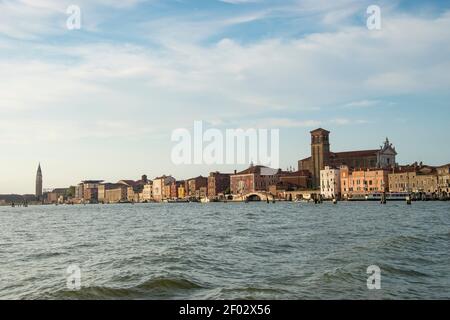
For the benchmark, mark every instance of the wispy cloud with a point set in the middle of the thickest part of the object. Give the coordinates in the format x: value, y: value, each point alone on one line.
x: 250, y: 64
x: 362, y: 104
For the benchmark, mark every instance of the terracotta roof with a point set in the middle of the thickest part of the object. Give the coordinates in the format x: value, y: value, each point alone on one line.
x: 351, y: 154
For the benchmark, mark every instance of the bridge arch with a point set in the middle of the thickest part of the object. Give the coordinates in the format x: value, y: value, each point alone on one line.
x: 257, y: 196
x: 254, y: 197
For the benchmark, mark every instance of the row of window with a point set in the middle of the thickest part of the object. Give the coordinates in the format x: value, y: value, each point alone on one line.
x: 360, y: 182
x: 362, y: 189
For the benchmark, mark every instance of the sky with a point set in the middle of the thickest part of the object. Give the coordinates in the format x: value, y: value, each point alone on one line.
x: 102, y: 102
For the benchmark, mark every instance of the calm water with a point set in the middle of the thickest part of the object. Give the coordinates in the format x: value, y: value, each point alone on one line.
x: 226, y: 251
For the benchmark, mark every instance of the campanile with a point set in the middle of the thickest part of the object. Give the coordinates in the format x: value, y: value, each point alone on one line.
x: 39, y: 183
x: 320, y: 153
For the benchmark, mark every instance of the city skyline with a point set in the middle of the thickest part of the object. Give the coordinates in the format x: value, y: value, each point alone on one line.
x: 350, y: 156
x: 102, y: 101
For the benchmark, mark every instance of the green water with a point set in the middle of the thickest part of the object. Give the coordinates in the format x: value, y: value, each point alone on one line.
x: 226, y: 251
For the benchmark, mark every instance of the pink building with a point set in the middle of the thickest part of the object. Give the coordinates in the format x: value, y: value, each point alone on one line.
x: 363, y: 182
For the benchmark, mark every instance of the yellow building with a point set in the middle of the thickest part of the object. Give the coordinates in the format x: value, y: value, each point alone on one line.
x: 181, y: 192
x: 414, y: 179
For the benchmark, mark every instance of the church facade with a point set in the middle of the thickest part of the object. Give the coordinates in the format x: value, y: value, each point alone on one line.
x: 322, y: 156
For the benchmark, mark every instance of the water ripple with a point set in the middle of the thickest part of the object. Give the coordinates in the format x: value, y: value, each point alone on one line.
x: 226, y: 251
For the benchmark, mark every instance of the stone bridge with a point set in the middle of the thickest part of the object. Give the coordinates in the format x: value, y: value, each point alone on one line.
x: 263, y: 196
x: 257, y: 196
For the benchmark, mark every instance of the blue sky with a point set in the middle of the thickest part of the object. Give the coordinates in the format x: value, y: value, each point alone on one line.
x: 102, y: 102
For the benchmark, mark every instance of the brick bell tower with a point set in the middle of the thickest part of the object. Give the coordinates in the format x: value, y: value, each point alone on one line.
x: 320, y: 153
x: 39, y: 183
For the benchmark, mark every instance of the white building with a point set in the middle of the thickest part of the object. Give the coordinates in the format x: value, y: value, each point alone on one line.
x: 330, y: 183
x: 147, y: 192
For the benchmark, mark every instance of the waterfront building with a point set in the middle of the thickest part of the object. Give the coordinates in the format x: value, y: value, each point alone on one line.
x: 56, y: 195
x: 255, y: 178
x: 402, y: 179
x: 135, y: 194
x: 443, y: 173
x: 416, y: 178
x: 218, y: 183
x: 131, y: 194
x: 158, y: 184
x: 79, y: 191
x: 330, y: 183
x: 322, y: 156
x: 167, y: 190
x: 159, y: 190
x: 182, y: 190
x: 427, y: 183
x: 38, y: 192
x: 102, y: 189
x: 295, y: 180
x: 201, y: 193
x: 197, y: 187
x: 290, y: 181
x: 135, y: 188
x: 116, y: 193
x: 147, y: 192
x: 359, y: 183
x: 175, y: 190
x: 90, y: 190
